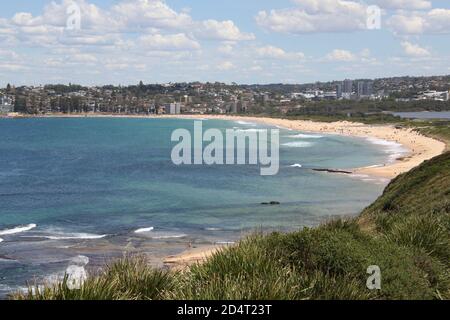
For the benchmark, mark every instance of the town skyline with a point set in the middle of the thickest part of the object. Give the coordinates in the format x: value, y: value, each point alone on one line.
x: 220, y: 98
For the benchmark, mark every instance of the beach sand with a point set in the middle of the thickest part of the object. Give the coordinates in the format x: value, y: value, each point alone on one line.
x: 192, y: 256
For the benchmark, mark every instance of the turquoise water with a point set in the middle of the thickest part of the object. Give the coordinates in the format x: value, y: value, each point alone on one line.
x: 71, y: 187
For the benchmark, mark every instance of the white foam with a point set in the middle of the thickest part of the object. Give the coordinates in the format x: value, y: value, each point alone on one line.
x: 298, y: 144
x: 284, y: 128
x: 250, y: 130
x: 304, y: 136
x: 142, y: 230
x: 297, y: 165
x: 175, y: 236
x: 245, y: 123
x: 1, y: 240
x: 213, y: 229
x: 75, y: 236
x: 367, y: 178
x: 18, y: 229
x: 394, y: 149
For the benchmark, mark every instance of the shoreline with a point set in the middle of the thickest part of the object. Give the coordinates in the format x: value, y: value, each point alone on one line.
x: 419, y: 147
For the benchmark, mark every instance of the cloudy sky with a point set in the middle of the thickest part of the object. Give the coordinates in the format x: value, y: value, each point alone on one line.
x: 243, y: 41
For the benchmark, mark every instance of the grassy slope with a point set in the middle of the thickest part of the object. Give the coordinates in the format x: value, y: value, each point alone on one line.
x: 408, y: 238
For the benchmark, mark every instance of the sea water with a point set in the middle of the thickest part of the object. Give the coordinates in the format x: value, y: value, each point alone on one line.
x: 98, y: 187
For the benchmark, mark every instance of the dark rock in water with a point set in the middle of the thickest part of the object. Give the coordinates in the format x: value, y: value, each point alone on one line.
x: 271, y: 203
x: 332, y: 171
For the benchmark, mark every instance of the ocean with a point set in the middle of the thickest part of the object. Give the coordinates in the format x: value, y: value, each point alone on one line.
x: 80, y: 191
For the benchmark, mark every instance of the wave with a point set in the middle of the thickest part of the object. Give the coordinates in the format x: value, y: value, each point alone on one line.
x: 394, y: 149
x: 283, y: 128
x: 245, y: 123
x: 74, y: 236
x: 297, y: 165
x: 298, y: 144
x: 367, y: 178
x: 304, y: 136
x: 226, y: 242
x: 18, y: 229
x: 174, y: 236
x: 1, y: 240
x: 213, y: 229
x: 142, y: 230
x: 250, y: 130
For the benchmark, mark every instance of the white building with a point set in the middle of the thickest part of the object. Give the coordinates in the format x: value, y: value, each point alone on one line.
x: 6, y: 104
x: 173, y: 108
x: 434, y: 95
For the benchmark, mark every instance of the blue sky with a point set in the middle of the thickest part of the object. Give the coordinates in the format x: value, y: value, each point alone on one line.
x: 245, y: 41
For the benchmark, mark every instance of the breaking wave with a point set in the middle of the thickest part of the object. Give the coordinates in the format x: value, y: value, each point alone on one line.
x: 18, y: 229
x: 142, y: 230
x: 245, y: 123
x: 305, y: 136
x: 75, y: 236
x: 298, y: 144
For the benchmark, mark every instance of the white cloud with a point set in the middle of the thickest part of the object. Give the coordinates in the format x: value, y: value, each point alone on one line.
x: 436, y: 21
x: 404, y: 4
x: 222, y: 30
x: 340, y: 55
x: 225, y: 66
x: 414, y: 50
x: 272, y: 52
x: 168, y: 42
x: 8, y: 54
x: 149, y: 13
x: 226, y: 49
x: 123, y: 18
x: 12, y: 67
x: 84, y: 58
x: 312, y: 16
x: 24, y: 19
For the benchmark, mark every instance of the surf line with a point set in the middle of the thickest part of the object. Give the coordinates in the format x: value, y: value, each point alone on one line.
x: 237, y: 144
